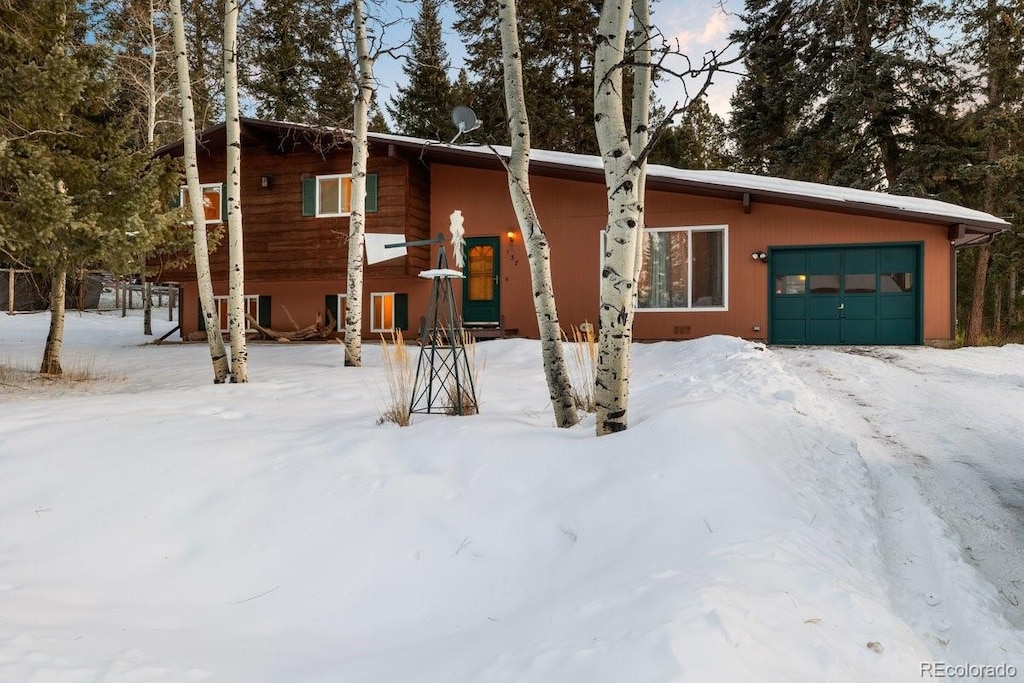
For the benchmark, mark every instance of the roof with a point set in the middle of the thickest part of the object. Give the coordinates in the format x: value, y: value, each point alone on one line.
x: 977, y: 225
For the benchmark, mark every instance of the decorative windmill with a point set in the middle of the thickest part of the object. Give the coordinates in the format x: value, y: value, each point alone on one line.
x: 444, y: 379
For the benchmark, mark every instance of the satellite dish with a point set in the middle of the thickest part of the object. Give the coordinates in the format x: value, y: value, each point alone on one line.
x: 465, y: 120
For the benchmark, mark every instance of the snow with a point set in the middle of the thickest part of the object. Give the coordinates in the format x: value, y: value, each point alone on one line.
x: 744, y: 182
x: 770, y: 514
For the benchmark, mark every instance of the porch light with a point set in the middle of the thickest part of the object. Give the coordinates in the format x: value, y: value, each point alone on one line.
x: 511, y: 235
x: 760, y: 256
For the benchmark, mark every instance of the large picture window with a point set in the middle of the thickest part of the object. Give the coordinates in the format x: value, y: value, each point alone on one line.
x: 684, y: 268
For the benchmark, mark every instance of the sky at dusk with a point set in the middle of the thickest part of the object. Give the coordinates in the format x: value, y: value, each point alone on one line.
x: 697, y: 26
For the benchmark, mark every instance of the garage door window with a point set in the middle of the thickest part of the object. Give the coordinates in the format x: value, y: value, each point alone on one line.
x: 860, y: 283
x: 684, y: 268
x: 897, y: 282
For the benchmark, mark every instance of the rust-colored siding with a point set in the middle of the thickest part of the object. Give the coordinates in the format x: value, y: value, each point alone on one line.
x: 573, y: 214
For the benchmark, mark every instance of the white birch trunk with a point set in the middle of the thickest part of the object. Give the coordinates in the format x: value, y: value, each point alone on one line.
x: 55, y: 337
x: 236, y: 261
x: 147, y: 302
x: 623, y: 178
x: 538, y: 250
x: 218, y: 355
x: 357, y: 216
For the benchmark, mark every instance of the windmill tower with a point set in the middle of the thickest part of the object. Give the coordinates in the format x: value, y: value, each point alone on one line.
x: 444, y: 376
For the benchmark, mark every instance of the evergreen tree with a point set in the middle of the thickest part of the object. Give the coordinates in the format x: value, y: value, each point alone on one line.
x: 203, y: 22
x: 831, y: 88
x: 994, y: 44
x: 73, y: 195
x: 296, y: 69
x: 557, y: 70
x: 422, y: 108
x: 699, y: 141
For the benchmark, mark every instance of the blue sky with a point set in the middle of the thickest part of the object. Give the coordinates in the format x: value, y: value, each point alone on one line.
x: 697, y: 25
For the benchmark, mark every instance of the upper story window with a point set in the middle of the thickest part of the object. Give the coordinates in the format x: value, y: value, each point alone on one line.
x: 333, y: 195
x: 329, y: 196
x: 213, y: 201
x: 684, y: 268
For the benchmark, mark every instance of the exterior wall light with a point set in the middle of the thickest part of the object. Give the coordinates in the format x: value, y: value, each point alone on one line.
x: 760, y: 256
x: 511, y: 235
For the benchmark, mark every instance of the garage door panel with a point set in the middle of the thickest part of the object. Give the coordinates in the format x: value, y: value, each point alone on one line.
x: 824, y: 261
x: 791, y: 331
x: 791, y: 308
x: 861, y: 332
x: 790, y: 263
x: 823, y: 307
x: 858, y: 307
x: 897, y: 307
x: 897, y: 259
x: 861, y: 261
x: 897, y: 332
x: 824, y: 332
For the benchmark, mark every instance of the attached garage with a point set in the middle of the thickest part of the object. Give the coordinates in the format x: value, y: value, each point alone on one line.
x: 864, y: 294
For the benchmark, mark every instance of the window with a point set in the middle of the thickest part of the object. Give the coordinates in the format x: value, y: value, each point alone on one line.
x: 333, y: 195
x: 213, y: 201
x: 790, y: 284
x: 389, y: 311
x: 684, y: 268
x: 329, y: 196
x: 251, y: 305
x: 258, y: 306
x: 334, y: 308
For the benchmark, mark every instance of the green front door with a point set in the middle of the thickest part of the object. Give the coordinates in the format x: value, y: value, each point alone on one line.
x: 846, y: 295
x: 481, y: 301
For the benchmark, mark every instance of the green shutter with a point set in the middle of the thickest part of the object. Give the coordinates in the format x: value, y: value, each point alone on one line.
x: 401, y: 311
x: 263, y: 312
x: 309, y: 196
x: 371, y: 192
x: 175, y: 202
x: 223, y: 201
x: 331, y: 306
x: 202, y: 322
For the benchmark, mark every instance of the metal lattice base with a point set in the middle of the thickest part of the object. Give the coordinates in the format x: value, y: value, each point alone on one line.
x: 444, y: 379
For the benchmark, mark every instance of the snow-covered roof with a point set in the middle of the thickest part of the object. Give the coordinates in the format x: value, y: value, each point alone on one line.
x: 716, y: 183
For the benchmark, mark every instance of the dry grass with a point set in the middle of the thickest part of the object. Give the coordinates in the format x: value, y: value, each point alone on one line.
x: 582, y: 365
x: 18, y: 374
x: 399, y: 373
x: 462, y: 402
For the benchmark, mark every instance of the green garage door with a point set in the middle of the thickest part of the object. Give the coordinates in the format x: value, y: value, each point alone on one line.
x: 846, y: 295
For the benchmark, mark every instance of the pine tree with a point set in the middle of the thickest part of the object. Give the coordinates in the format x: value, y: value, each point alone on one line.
x: 73, y: 195
x: 295, y: 69
x: 422, y: 107
x: 994, y: 43
x: 830, y: 87
x: 699, y: 141
x: 203, y: 22
x: 557, y: 70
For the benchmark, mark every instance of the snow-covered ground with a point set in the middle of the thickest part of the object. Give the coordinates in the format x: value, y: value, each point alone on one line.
x: 770, y: 515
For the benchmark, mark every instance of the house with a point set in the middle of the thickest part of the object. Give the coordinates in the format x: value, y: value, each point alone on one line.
x: 725, y: 253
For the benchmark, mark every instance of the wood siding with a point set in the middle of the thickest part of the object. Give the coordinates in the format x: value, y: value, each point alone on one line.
x: 282, y: 244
